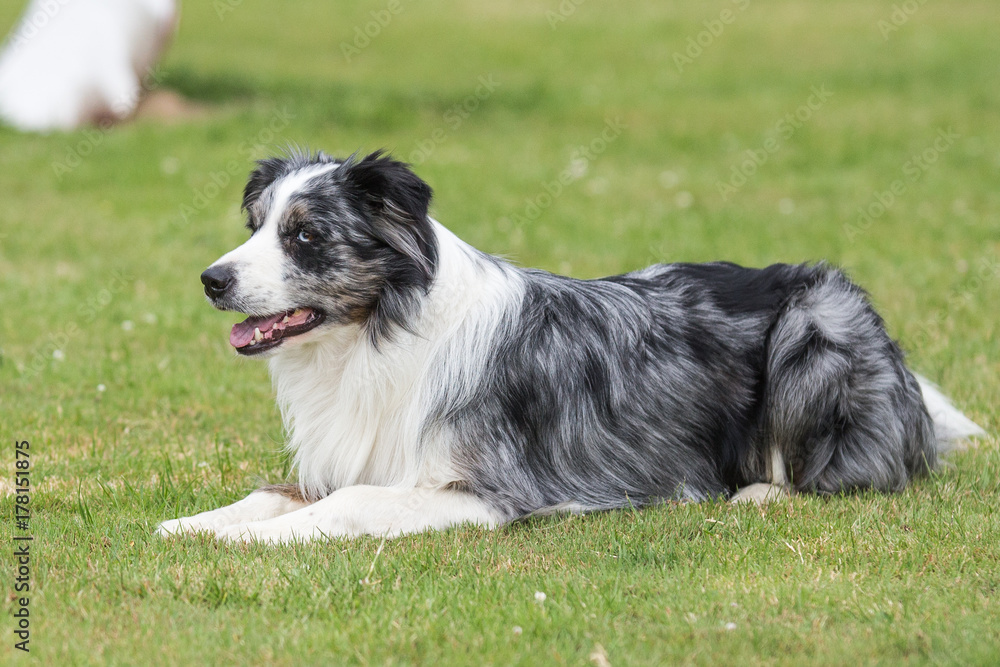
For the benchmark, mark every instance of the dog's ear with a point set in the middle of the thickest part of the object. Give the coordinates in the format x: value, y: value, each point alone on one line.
x: 396, y: 203
x: 266, y: 172
x: 397, y: 200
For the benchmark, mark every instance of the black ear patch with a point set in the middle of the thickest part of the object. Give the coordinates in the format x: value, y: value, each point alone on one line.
x: 396, y: 201
x: 385, y: 180
x: 267, y: 172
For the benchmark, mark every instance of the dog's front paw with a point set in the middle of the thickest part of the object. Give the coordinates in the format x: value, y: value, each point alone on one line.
x: 239, y: 533
x: 265, y: 532
x: 182, y: 526
x: 206, y: 522
x: 168, y: 528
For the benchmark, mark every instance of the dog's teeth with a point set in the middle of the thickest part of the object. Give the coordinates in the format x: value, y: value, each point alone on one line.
x: 257, y: 335
x: 285, y: 320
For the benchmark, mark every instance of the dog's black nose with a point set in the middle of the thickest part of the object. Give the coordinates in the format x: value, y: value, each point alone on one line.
x: 217, y: 280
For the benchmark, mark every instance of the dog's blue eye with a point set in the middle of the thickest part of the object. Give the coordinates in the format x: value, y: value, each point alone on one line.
x: 305, y: 237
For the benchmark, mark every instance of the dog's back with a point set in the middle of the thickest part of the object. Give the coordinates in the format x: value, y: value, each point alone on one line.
x: 691, y: 381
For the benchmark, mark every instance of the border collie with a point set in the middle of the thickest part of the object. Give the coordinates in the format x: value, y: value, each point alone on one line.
x: 424, y: 384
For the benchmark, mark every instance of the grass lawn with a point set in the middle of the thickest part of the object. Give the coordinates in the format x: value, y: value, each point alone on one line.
x: 874, y: 142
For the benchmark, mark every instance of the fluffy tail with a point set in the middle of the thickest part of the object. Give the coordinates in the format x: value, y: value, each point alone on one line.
x: 952, y: 429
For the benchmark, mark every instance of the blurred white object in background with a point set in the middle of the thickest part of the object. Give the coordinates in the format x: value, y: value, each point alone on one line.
x: 69, y: 63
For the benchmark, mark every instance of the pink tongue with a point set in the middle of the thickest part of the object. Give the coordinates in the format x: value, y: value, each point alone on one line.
x: 242, y: 333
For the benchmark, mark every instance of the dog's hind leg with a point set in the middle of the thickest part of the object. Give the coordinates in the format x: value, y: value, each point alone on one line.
x: 763, y: 492
x: 760, y: 494
x: 266, y: 503
x: 369, y: 510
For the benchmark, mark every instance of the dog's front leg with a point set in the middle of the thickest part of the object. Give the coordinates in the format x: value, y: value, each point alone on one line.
x: 369, y: 510
x: 266, y: 503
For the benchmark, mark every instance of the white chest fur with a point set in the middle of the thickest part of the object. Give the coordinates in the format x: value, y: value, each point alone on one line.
x: 357, y: 414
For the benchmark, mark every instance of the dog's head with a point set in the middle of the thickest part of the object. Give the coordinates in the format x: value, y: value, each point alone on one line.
x: 333, y: 242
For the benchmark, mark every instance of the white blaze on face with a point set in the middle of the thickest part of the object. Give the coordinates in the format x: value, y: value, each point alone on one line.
x: 260, y: 264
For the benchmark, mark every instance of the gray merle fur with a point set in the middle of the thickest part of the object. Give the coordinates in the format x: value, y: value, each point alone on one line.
x: 674, y: 382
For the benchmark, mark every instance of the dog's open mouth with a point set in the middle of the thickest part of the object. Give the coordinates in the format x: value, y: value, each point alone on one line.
x: 258, y: 334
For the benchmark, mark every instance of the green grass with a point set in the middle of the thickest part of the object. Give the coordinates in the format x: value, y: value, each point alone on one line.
x: 182, y: 426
